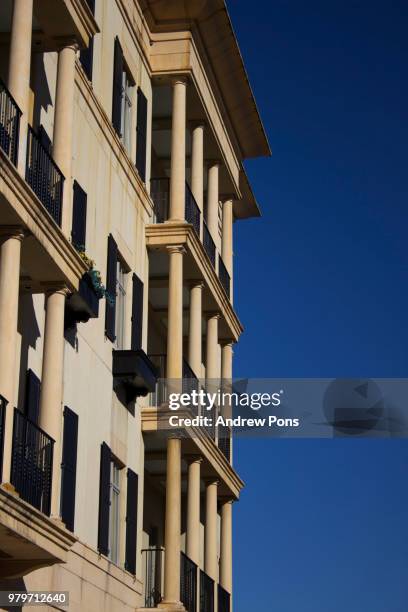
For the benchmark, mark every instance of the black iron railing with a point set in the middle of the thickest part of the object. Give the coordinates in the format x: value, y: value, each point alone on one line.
x: 188, y: 583
x: 3, y: 406
x: 159, y: 396
x: 44, y: 176
x: 31, y: 462
x: 153, y: 565
x: 206, y: 593
x: 192, y: 211
x: 224, y: 441
x: 190, y: 380
x: 160, y: 194
x: 224, y: 276
x: 9, y: 123
x: 224, y: 600
x: 208, y: 243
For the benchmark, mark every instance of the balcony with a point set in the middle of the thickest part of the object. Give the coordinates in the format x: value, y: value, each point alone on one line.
x: 44, y: 176
x: 188, y: 583
x: 206, y: 593
x: 224, y: 276
x: 83, y: 304
x: 153, y: 579
x: 209, y: 244
x: 134, y: 372
x: 31, y: 463
x: 192, y: 212
x: 9, y: 124
x: 224, y: 600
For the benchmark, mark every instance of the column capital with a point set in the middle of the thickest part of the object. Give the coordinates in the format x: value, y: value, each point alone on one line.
x: 212, y: 163
x: 227, y: 197
x: 12, y: 231
x: 179, y: 80
x: 56, y: 287
x: 66, y: 42
x: 226, y: 342
x: 223, y: 500
x: 212, y: 314
x: 193, y: 458
x: 197, y: 123
x: 211, y: 480
x: 199, y: 284
x: 177, y: 248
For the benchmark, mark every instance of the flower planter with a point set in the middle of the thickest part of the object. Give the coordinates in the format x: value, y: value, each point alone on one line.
x: 134, y: 371
x: 83, y: 304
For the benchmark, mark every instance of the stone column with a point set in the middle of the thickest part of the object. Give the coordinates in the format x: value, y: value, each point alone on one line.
x: 175, y: 314
x: 226, y: 374
x: 210, y: 536
x: 172, y: 527
x: 178, y: 152
x: 19, y: 68
x: 63, y: 127
x: 213, y: 199
x: 10, y: 253
x: 195, y: 328
x: 212, y: 365
x: 193, y: 509
x: 227, y: 225
x: 197, y: 166
x: 226, y: 546
x: 51, y: 383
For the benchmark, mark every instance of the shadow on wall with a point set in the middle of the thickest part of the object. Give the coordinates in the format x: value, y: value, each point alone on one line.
x: 30, y: 332
x: 14, y: 584
x: 39, y: 84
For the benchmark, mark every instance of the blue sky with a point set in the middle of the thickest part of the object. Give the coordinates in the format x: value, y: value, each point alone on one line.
x: 321, y: 287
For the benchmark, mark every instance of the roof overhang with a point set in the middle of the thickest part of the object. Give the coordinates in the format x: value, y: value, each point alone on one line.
x: 210, y: 23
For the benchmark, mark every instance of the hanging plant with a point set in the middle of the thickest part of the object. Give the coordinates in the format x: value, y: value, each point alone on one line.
x: 96, y: 279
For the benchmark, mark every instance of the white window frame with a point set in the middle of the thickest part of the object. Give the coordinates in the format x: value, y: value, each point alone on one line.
x: 120, y: 314
x: 114, y: 514
x: 126, y: 111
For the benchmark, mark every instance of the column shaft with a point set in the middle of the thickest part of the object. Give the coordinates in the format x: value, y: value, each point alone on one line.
x: 175, y: 315
x: 227, y: 225
x: 51, y: 384
x: 213, y: 199
x: 212, y: 366
x: 195, y: 329
x: 63, y: 127
x: 10, y: 253
x: 197, y: 164
x: 226, y: 547
x: 19, y: 67
x: 210, y: 540
x: 173, y: 523
x: 178, y: 153
x: 193, y: 511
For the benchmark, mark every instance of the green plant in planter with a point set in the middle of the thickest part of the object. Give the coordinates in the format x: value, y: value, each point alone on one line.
x: 96, y: 279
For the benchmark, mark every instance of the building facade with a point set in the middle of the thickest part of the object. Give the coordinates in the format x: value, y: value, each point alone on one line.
x: 123, y: 129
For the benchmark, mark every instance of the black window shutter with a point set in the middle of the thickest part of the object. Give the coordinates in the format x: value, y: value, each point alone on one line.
x: 111, y: 288
x: 141, y: 134
x: 137, y: 313
x: 131, y: 521
x: 86, y: 59
x: 68, y: 467
x: 104, y: 501
x: 117, y: 86
x: 78, y: 233
x: 32, y: 397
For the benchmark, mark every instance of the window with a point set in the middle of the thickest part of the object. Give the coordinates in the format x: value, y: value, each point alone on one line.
x: 120, y: 320
x: 141, y: 134
x: 114, y: 519
x: 122, y: 98
x: 86, y: 55
x: 126, y: 112
x: 78, y: 232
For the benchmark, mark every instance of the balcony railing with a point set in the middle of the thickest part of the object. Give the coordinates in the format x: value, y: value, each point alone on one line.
x: 208, y: 243
x: 31, y: 463
x: 160, y: 194
x: 188, y: 583
x: 3, y: 406
x: 44, y: 176
x: 192, y: 213
x: 224, y: 600
x: 154, y: 559
x: 206, y: 593
x: 224, y: 441
x: 224, y: 276
x: 9, y: 124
